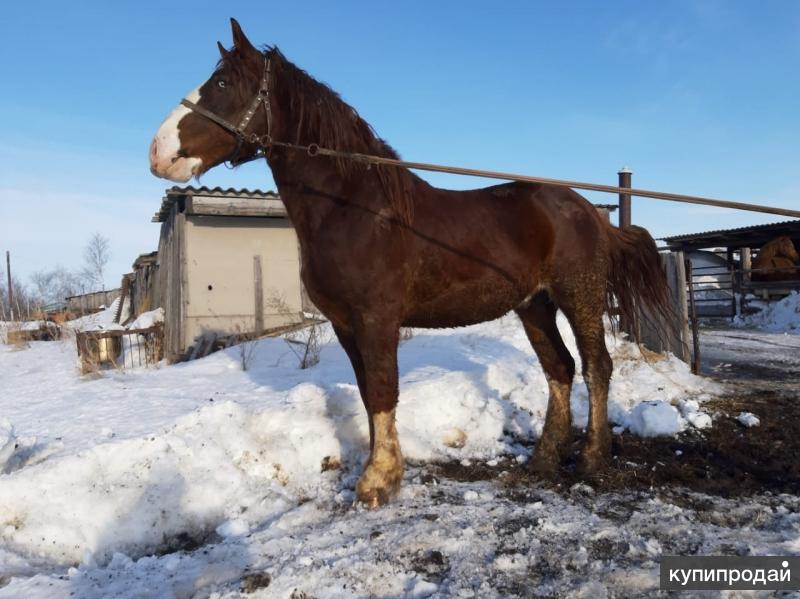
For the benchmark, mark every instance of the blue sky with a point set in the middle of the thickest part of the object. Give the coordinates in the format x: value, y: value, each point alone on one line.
x: 696, y: 97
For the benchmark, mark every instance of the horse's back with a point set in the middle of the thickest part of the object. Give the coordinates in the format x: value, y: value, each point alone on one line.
x: 480, y: 253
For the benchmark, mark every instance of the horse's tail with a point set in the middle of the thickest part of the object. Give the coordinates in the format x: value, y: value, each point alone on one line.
x: 637, y: 285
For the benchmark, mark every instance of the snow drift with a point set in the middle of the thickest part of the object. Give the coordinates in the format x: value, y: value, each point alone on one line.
x: 778, y: 317
x: 158, y: 457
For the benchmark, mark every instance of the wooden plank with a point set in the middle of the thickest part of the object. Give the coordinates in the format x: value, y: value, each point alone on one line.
x: 680, y: 301
x: 669, y: 332
x: 108, y: 333
x: 182, y: 283
x: 693, y: 319
x: 204, y: 206
x: 231, y: 210
x: 259, y: 294
x: 123, y: 294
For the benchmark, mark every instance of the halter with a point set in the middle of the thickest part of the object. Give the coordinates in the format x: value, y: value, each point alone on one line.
x: 240, y: 131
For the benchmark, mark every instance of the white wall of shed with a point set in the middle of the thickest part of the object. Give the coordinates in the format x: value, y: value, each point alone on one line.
x: 219, y: 255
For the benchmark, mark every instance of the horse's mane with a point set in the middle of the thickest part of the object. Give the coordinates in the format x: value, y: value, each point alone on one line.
x: 323, y: 118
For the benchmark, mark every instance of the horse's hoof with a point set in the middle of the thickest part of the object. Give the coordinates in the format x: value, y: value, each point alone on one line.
x: 373, y: 498
x: 376, y: 488
x: 590, y: 466
x: 544, y: 465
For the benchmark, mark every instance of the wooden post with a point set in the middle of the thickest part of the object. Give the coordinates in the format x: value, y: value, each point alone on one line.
x: 675, y: 263
x: 747, y: 264
x: 625, y: 221
x: 735, y: 288
x: 624, y: 198
x: 10, y: 288
x: 259, y: 295
x: 693, y: 319
x: 126, y: 283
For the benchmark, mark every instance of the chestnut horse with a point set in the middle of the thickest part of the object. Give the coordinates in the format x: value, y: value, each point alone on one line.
x: 382, y: 249
x: 776, y: 261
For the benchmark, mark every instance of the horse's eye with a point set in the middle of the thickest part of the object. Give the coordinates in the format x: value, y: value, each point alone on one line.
x: 221, y: 83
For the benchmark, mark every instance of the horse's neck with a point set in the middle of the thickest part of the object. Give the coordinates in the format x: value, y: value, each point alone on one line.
x: 769, y: 250
x: 311, y: 188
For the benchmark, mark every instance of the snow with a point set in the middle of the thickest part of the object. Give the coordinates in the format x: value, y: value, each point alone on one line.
x: 112, y: 476
x: 104, y: 319
x: 748, y: 419
x: 655, y: 418
x: 8, y: 443
x: 781, y: 316
x: 145, y: 320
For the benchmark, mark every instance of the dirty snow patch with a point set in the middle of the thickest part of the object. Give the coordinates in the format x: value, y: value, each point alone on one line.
x: 748, y: 419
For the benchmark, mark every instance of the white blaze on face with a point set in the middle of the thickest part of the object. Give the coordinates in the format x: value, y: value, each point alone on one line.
x: 164, y: 159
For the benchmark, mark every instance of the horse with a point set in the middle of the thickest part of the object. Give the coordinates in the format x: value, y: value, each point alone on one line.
x: 383, y: 249
x: 776, y: 261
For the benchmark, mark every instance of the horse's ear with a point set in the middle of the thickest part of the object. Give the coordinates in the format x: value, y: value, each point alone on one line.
x: 222, y: 51
x: 240, y: 40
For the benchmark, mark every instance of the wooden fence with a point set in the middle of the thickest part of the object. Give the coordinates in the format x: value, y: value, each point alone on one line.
x: 91, y: 302
x: 669, y: 332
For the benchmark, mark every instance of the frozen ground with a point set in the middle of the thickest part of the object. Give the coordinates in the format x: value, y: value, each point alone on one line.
x: 203, y: 480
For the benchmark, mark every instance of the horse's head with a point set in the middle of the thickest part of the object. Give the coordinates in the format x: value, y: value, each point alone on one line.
x: 787, y: 249
x: 188, y: 144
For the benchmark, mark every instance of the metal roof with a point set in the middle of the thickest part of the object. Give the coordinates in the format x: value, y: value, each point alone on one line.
x: 219, y: 192
x: 229, y: 196
x: 752, y: 236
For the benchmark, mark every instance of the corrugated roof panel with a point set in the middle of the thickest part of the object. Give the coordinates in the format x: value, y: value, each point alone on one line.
x: 171, y: 194
x: 764, y: 227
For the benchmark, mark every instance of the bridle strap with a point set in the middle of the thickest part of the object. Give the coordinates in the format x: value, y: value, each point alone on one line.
x: 211, y: 116
x: 262, y: 97
x: 240, y: 131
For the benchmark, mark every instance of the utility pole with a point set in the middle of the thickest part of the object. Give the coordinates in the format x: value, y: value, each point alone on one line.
x: 624, y: 198
x: 10, y: 289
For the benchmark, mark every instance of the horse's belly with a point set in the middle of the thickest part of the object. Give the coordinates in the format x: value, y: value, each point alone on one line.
x: 464, y: 305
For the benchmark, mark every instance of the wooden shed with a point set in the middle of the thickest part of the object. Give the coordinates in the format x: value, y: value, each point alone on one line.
x: 143, y: 291
x: 713, y: 282
x: 228, y: 263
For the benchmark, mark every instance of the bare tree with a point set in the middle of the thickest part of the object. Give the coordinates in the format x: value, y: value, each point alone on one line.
x: 25, y: 302
x: 54, y: 286
x: 96, y: 255
x: 306, y: 343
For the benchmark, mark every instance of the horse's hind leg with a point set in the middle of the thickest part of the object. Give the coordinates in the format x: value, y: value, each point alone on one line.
x: 539, y: 319
x: 585, y: 313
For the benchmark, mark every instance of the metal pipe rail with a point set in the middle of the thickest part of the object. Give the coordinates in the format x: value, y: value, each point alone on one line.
x: 315, y: 150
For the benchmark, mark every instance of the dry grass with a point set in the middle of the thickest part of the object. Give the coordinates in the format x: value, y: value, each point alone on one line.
x: 306, y: 343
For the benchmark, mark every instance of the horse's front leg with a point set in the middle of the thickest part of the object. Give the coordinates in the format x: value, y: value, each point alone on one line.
x: 376, y: 344
x: 383, y: 473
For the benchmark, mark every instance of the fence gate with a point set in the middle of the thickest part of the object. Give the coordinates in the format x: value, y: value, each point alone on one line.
x: 128, y: 348
x: 714, y: 290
